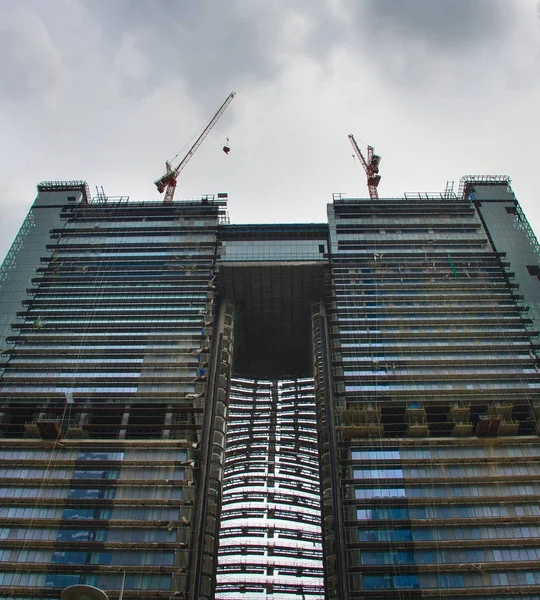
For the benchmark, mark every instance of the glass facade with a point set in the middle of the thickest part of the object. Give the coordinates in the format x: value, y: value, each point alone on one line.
x: 270, y: 537
x: 84, y: 512
x: 345, y: 411
x: 102, y: 395
x: 428, y: 368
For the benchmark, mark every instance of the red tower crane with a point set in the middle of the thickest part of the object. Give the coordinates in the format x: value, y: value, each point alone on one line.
x: 371, y: 167
x: 167, y: 183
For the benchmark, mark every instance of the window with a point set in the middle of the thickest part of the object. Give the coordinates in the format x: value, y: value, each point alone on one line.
x: 95, y: 474
x: 388, y: 558
x: 62, y: 580
x: 389, y: 454
x: 101, y: 456
x: 92, y: 493
x: 380, y: 492
x: 387, y: 582
x: 70, y: 558
x: 534, y: 270
x: 378, y: 474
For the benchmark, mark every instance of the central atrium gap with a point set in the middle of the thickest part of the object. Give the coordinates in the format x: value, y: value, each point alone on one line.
x: 270, y: 531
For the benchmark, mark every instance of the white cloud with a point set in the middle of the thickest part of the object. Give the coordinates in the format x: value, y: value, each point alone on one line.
x: 31, y: 68
x: 130, y: 60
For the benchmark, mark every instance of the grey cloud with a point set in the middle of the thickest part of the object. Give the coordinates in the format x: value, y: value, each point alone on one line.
x: 448, y: 25
x: 214, y: 46
x: 450, y: 44
x: 208, y: 44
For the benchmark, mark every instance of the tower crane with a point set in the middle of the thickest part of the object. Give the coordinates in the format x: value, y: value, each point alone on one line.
x: 371, y: 167
x: 167, y: 182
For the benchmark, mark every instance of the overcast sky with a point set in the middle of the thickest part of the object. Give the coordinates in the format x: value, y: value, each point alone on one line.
x: 107, y: 90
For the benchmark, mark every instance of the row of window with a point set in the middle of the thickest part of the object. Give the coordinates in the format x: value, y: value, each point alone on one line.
x: 453, y: 511
x: 440, y: 369
x: 13, y: 373
x: 114, y: 309
x: 66, y: 288
x: 350, y: 320
x: 113, y: 534
x: 450, y: 580
x: 180, y: 225
x: 110, y: 273
x: 176, y: 371
x: 103, y: 581
x: 40, y: 335
x: 373, y: 246
x: 355, y: 216
x: 464, y: 354
x: 180, y: 388
x: 119, y: 298
x: 349, y: 315
x: 417, y: 234
x: 422, y: 343
x: 130, y: 513
x: 143, y: 256
x: 453, y: 490
x: 96, y: 360
x: 165, y: 238
x: 62, y: 454
x: 454, y: 451
x: 438, y: 471
x: 403, y: 226
x: 126, y: 557
x: 358, y: 303
x: 196, y: 286
x: 457, y: 555
x: 89, y: 320
x: 111, y: 349
x: 127, y: 493
x: 417, y: 386
x: 407, y: 534
x: 446, y: 452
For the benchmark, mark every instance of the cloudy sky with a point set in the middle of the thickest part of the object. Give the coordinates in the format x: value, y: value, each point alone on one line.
x: 106, y: 90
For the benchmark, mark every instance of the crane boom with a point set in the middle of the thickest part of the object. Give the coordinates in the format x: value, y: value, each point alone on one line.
x: 167, y: 182
x: 371, y: 167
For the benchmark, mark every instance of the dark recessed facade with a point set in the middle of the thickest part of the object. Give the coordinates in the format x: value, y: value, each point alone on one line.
x: 195, y: 409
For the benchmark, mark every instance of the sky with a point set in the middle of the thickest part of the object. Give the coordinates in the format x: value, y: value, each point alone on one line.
x: 107, y: 90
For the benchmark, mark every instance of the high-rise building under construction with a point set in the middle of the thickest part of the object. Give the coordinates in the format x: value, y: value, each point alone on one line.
x: 195, y: 409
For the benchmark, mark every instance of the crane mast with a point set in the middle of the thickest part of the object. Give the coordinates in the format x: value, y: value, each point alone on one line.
x: 167, y: 183
x: 371, y: 167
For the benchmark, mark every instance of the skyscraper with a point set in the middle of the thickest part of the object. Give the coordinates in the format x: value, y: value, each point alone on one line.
x: 343, y: 410
x: 427, y: 381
